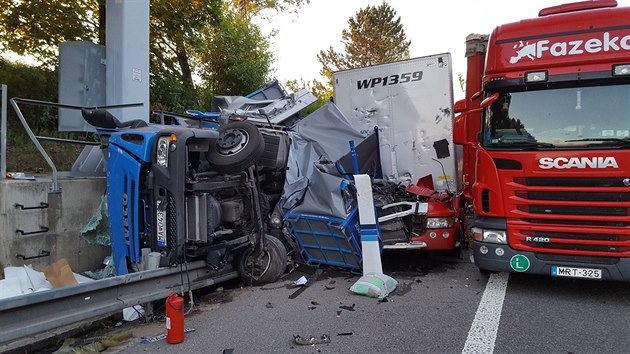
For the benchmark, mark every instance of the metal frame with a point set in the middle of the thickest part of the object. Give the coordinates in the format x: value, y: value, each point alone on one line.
x: 3, y: 137
x: 30, y: 314
x: 54, y: 186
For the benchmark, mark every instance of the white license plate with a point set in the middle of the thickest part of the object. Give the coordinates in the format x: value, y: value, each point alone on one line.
x: 572, y: 272
x: 161, y: 228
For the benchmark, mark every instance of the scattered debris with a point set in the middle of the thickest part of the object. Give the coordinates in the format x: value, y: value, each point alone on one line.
x: 94, y: 344
x: 312, y: 307
x: 133, y: 313
x: 59, y: 274
x: 306, y: 285
x: 301, y: 281
x: 338, y: 313
x: 19, y: 175
x: 349, y: 308
x: 315, y: 303
x: 162, y: 336
x: 374, y: 285
x: 269, y: 305
x: 330, y: 285
x: 228, y: 351
x: 324, y: 339
x: 26, y: 280
x: 345, y: 333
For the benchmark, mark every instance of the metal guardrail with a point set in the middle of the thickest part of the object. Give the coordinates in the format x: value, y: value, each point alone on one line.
x: 54, y: 187
x: 30, y: 314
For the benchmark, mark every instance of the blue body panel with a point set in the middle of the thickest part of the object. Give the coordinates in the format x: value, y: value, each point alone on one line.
x: 123, y: 173
x: 141, y: 143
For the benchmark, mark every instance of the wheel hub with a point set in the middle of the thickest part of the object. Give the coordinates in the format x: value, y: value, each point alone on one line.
x: 232, y: 141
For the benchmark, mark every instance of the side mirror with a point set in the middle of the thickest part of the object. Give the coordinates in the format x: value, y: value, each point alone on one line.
x: 489, y: 100
x: 460, y: 106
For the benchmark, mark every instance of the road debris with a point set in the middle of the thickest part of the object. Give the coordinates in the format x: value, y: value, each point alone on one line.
x: 324, y: 339
x: 349, y: 308
x: 162, y: 336
x: 301, y: 281
x: 306, y: 285
x: 374, y: 285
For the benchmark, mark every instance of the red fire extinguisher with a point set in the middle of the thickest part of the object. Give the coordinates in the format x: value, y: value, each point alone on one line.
x: 174, y: 319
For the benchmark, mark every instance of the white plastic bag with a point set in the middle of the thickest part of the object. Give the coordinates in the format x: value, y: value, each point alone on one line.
x: 374, y: 285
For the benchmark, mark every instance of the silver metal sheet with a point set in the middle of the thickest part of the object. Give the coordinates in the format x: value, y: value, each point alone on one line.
x: 411, y: 102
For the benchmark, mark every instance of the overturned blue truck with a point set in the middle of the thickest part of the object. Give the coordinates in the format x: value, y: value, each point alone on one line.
x: 196, y: 188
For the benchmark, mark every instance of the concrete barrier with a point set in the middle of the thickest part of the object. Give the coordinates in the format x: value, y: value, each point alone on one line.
x: 50, y: 223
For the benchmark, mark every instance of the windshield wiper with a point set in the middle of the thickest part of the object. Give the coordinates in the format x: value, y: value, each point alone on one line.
x: 526, y: 145
x: 618, y: 140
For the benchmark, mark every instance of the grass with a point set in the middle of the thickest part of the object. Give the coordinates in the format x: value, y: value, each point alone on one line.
x: 23, y: 156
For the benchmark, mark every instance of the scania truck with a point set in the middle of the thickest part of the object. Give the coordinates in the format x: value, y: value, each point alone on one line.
x: 545, y: 131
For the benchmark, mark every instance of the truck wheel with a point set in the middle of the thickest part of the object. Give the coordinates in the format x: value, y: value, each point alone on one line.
x: 239, y: 146
x: 266, y: 267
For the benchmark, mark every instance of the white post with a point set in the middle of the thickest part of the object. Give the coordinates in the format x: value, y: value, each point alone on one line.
x: 369, y: 229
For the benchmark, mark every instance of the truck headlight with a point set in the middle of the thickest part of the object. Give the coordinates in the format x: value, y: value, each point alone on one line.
x: 492, y: 236
x: 440, y: 223
x: 162, y: 151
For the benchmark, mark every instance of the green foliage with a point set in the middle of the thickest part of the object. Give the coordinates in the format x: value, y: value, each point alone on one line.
x: 236, y: 57
x: 318, y: 89
x: 375, y: 36
x: 32, y: 82
x: 37, y: 27
x: 253, y: 8
x: 215, y: 39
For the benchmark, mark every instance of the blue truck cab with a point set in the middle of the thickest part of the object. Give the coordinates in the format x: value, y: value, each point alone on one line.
x: 194, y: 191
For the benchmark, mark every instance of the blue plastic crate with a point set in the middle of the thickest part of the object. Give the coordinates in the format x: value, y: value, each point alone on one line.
x: 328, y: 240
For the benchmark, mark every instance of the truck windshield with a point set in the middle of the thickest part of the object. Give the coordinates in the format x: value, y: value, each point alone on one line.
x: 576, y: 117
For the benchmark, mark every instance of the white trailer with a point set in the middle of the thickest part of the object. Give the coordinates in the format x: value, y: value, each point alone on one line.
x: 411, y: 102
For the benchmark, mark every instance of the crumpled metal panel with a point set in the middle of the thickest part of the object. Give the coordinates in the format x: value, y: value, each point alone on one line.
x: 411, y: 102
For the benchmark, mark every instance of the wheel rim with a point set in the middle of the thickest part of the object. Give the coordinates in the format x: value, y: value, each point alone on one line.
x: 257, y: 266
x: 232, y: 141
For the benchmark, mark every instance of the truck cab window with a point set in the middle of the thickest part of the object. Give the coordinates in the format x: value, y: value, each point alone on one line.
x: 573, y: 117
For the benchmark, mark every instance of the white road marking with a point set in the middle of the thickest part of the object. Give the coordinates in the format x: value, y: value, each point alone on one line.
x: 483, y: 331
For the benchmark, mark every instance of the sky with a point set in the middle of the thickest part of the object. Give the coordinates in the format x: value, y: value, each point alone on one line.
x: 434, y: 27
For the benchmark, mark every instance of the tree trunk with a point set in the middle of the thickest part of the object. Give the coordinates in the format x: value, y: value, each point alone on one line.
x: 102, y: 15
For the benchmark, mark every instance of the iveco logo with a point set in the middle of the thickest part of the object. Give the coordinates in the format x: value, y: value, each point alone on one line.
x: 577, y: 162
x: 626, y: 182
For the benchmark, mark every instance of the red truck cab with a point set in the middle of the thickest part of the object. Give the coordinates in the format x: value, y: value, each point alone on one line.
x: 545, y: 128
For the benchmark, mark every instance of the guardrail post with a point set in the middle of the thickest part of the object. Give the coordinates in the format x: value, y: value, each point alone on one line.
x: 3, y: 137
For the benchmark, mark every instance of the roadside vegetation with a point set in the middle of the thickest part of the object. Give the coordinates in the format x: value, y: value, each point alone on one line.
x: 198, y: 49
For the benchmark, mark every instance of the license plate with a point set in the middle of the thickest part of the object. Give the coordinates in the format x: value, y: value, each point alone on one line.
x: 572, y: 272
x: 161, y: 229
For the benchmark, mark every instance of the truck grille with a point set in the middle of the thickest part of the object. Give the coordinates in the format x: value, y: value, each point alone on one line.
x: 582, y: 216
x: 171, y: 229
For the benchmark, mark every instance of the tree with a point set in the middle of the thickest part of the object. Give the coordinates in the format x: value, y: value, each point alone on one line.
x: 236, y: 57
x: 37, y: 27
x: 182, y: 34
x: 375, y: 36
x: 177, y: 40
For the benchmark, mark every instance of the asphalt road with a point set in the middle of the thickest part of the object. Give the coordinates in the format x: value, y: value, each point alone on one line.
x: 437, y: 308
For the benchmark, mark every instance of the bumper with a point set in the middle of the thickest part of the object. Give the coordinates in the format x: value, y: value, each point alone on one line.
x: 514, y: 261
x: 438, y: 242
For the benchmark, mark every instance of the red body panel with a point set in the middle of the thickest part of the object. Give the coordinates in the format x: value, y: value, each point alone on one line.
x: 580, y: 206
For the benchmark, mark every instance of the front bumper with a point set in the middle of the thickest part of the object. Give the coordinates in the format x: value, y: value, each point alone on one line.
x: 537, y: 263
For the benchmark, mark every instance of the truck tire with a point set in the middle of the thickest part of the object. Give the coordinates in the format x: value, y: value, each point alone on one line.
x: 239, y: 146
x: 266, y: 267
